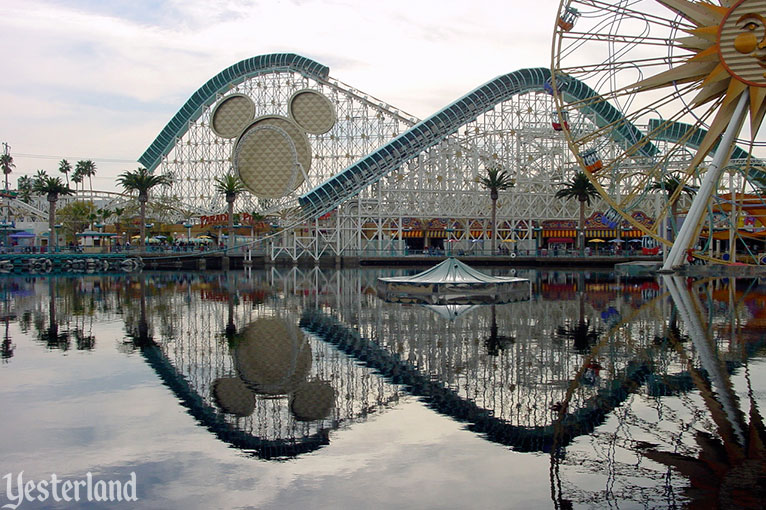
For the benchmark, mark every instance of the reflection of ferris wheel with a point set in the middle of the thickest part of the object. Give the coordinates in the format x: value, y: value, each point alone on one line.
x: 675, y: 92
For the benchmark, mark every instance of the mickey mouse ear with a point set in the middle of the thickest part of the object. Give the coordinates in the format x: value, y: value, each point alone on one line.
x: 231, y: 115
x: 312, y: 111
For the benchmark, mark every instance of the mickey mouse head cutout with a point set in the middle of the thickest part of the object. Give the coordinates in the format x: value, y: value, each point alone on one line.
x: 272, y: 154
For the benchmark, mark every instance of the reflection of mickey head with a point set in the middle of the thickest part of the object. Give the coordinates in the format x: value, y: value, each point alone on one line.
x: 272, y: 154
x: 273, y: 358
x: 233, y: 397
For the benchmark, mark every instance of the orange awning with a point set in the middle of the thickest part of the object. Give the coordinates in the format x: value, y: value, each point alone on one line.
x: 559, y: 233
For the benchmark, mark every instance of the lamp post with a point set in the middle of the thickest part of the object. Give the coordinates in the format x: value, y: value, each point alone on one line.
x: 188, y: 227
x: 448, y: 241
x: 55, y: 235
x: 148, y: 227
x: 537, y: 231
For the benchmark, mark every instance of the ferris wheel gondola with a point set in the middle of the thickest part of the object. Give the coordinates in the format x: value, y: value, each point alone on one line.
x: 560, y: 120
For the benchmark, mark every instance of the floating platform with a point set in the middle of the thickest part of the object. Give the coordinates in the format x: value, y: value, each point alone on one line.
x: 638, y: 268
x: 453, y: 282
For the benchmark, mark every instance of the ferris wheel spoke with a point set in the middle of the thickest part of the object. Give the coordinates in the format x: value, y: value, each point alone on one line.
x: 620, y: 65
x: 622, y: 11
x: 617, y: 38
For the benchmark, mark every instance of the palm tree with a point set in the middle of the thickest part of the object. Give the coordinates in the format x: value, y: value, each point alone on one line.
x: 496, y: 180
x: 77, y: 177
x: 65, y: 167
x: 88, y: 169
x: 142, y: 181
x: 6, y: 163
x: 53, y: 187
x: 39, y: 176
x: 24, y: 185
x: 103, y: 214
x: 255, y: 219
x: 230, y: 186
x: 670, y: 185
x: 583, y: 190
x: 118, y: 212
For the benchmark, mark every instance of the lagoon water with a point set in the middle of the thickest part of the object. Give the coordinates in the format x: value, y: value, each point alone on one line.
x: 301, y: 388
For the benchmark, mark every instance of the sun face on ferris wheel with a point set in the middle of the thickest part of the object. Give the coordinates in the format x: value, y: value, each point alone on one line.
x: 729, y: 58
x: 658, y: 92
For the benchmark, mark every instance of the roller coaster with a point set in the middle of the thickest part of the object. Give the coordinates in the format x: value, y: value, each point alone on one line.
x: 378, y: 168
x: 379, y: 173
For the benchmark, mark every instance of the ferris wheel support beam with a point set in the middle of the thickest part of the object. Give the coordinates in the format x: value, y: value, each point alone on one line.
x: 689, y: 228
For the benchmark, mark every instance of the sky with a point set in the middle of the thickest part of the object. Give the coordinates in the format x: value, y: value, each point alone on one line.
x: 99, y: 79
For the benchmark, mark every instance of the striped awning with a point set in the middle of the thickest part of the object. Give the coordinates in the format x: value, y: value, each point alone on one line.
x: 475, y: 234
x: 437, y: 233
x: 613, y: 234
x: 604, y: 234
x: 412, y: 233
x: 559, y: 233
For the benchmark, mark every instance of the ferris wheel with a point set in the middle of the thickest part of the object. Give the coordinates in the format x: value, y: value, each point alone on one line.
x: 671, y: 95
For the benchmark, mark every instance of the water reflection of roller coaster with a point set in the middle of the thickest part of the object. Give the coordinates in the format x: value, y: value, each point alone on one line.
x: 537, y: 391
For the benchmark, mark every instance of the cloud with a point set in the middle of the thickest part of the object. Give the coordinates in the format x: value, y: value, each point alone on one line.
x: 103, y: 78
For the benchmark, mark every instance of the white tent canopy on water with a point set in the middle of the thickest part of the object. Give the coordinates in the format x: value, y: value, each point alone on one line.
x: 452, y: 270
x: 452, y: 281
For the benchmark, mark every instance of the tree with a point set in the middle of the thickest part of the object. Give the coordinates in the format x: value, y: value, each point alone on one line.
x: 581, y: 189
x: 230, y: 186
x: 74, y: 216
x: 53, y: 188
x: 118, y: 212
x: 77, y: 177
x: 87, y: 169
x: 255, y: 221
x: 39, y: 176
x: 103, y: 214
x: 65, y: 167
x: 25, y: 185
x: 142, y: 181
x: 6, y: 163
x: 670, y: 186
x: 496, y: 180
